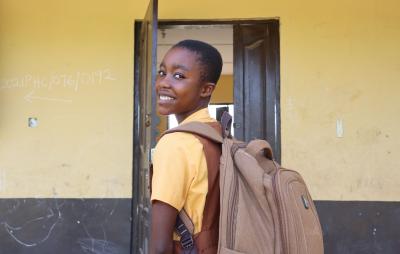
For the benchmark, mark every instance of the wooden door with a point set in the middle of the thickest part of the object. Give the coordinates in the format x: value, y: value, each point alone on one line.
x: 145, y: 121
x: 256, y: 83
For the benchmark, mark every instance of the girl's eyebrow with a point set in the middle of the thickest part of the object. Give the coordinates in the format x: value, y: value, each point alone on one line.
x: 180, y: 66
x: 176, y: 66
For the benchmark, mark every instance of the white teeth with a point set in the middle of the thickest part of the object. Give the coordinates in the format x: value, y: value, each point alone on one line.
x: 165, y: 98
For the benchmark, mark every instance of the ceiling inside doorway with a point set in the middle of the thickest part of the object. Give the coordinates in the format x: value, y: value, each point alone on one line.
x: 220, y: 37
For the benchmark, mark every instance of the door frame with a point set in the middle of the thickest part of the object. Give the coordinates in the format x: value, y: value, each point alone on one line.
x: 262, y: 38
x: 144, y: 118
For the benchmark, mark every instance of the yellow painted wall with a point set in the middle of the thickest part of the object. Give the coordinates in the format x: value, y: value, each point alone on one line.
x: 339, y: 60
x: 223, y: 92
x: 70, y: 64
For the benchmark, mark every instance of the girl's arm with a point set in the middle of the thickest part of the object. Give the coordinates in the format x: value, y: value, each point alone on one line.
x: 163, y: 218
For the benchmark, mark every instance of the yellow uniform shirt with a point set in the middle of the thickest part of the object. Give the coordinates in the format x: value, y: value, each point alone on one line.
x: 180, y: 176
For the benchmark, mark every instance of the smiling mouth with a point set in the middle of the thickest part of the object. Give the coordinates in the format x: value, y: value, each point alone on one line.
x: 165, y: 98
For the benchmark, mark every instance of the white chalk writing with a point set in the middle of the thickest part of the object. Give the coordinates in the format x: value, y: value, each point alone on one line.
x: 69, y: 81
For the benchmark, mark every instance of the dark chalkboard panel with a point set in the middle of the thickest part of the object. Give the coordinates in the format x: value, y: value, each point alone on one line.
x: 103, y: 226
x: 360, y: 227
x: 65, y: 226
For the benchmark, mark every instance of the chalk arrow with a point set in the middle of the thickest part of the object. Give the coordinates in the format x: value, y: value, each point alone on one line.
x: 29, y: 97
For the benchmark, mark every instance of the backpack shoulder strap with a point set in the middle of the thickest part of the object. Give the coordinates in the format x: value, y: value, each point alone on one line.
x: 198, y: 128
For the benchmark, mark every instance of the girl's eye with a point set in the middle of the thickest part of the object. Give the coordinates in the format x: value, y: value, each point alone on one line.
x: 178, y: 76
x: 161, y: 73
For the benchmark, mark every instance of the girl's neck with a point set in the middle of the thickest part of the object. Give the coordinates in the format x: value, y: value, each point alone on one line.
x: 181, y: 117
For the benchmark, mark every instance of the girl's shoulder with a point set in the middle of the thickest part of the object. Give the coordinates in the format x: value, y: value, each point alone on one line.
x: 178, y: 141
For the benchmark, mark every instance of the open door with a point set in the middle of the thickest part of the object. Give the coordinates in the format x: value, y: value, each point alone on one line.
x: 256, y: 83
x: 145, y: 122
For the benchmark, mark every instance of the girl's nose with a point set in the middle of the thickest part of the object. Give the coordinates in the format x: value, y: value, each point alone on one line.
x: 164, y: 82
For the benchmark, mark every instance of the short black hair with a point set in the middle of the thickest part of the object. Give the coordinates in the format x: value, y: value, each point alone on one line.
x: 209, y: 58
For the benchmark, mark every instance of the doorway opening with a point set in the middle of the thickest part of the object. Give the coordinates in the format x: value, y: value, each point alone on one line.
x: 250, y: 82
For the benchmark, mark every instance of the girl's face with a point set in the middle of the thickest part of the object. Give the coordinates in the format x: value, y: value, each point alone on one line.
x: 179, y: 87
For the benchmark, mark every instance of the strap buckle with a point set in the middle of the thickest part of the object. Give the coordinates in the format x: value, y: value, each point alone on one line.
x: 186, y: 241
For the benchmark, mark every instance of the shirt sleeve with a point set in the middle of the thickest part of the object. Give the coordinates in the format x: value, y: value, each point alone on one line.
x: 174, y: 168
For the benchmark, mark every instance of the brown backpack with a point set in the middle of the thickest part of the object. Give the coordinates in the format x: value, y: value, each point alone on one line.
x: 265, y: 208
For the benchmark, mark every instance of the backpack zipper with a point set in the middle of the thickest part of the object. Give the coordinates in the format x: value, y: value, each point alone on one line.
x: 232, y: 205
x: 233, y: 212
x: 275, y: 180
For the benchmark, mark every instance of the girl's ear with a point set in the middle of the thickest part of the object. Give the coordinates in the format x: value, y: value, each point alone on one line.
x: 207, y: 89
